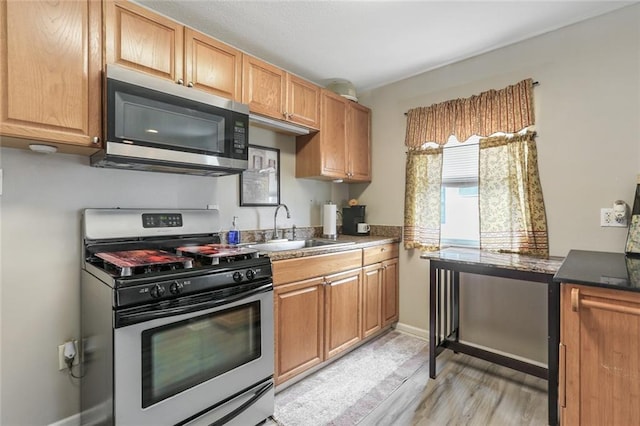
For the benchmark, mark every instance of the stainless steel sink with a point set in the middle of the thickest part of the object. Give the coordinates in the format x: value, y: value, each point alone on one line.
x: 281, y: 245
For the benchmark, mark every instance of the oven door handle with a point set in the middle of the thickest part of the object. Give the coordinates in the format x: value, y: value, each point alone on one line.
x: 124, y: 318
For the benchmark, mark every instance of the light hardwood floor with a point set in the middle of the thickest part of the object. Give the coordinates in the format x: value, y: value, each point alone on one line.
x: 466, y: 391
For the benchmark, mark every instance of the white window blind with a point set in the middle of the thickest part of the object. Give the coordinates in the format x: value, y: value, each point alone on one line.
x: 460, y: 163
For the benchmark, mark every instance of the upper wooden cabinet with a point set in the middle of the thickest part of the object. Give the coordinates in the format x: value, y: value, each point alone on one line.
x: 271, y: 91
x: 50, y: 74
x: 342, y: 148
x: 599, y: 369
x: 140, y: 39
x: 212, y: 65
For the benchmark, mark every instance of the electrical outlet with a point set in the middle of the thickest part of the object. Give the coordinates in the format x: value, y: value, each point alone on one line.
x: 62, y: 365
x: 606, y: 217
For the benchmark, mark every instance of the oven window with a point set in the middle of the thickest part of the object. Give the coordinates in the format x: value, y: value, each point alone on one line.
x: 181, y: 355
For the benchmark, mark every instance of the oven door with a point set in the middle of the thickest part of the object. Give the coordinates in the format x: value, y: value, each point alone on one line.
x: 192, y: 359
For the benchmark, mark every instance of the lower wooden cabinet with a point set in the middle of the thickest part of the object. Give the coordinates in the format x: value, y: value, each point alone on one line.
x: 599, y: 379
x: 342, y: 311
x: 325, y: 305
x: 371, y: 299
x: 390, y: 288
x: 299, y: 333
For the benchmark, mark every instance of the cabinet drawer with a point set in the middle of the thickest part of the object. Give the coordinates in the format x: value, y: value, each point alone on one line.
x: 289, y: 270
x: 379, y: 253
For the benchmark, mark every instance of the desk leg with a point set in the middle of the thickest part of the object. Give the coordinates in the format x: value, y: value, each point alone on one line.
x: 554, y: 342
x: 432, y: 321
x: 456, y: 304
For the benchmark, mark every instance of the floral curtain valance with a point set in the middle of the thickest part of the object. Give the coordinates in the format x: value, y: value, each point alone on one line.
x: 508, y: 110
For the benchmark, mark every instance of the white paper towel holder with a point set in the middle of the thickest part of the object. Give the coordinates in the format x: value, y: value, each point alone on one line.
x: 329, y: 221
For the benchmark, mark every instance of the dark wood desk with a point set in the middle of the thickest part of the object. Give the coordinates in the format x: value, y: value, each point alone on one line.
x: 445, y: 267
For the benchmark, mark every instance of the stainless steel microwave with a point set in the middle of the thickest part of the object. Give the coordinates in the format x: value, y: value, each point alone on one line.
x: 156, y: 125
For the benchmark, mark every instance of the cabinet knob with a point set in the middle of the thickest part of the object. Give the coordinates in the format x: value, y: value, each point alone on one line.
x: 95, y: 140
x: 180, y: 81
x: 190, y: 84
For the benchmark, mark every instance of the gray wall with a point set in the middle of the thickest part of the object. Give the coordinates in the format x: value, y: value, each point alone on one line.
x: 587, y: 105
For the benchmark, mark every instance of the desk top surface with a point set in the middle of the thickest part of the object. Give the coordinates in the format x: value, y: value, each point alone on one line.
x: 517, y: 262
x: 601, y: 269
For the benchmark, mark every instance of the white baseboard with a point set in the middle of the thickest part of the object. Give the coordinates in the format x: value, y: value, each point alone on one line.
x: 414, y: 331
x: 69, y: 421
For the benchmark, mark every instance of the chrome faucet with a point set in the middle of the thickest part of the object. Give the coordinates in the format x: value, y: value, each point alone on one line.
x: 275, y: 217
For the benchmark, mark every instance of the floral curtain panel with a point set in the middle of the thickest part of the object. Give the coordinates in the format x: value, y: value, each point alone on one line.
x: 422, y: 199
x: 512, y: 213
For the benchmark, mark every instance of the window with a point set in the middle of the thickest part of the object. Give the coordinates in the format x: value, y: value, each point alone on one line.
x: 459, y: 215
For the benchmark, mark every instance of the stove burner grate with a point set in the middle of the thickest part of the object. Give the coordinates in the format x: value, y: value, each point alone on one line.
x: 135, y: 262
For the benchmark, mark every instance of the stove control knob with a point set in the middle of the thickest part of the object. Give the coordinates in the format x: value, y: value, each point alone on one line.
x: 237, y: 277
x: 157, y: 291
x: 176, y: 287
x: 250, y: 274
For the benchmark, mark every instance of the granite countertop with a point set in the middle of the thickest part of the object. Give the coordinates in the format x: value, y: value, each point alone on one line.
x: 358, y: 243
x: 600, y: 269
x: 516, y: 262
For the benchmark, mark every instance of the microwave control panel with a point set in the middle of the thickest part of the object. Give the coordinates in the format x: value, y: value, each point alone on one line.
x: 239, y: 137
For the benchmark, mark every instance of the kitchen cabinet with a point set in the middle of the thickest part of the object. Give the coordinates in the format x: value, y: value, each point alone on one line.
x: 143, y: 40
x: 371, y: 299
x: 342, y: 311
x: 50, y: 75
x: 311, y: 322
x: 299, y: 327
x: 380, y: 287
x: 390, y: 291
x: 599, y: 369
x: 342, y: 147
x: 275, y: 93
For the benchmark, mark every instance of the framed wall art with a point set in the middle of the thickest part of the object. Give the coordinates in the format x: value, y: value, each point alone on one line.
x: 260, y: 183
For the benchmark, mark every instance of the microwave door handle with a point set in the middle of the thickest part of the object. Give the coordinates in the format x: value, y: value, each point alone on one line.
x: 124, y: 319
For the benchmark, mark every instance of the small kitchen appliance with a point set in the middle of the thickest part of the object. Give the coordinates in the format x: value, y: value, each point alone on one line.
x: 351, y: 217
x: 177, y: 328
x: 157, y: 125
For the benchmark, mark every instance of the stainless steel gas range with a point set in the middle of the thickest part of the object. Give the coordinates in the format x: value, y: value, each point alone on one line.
x: 177, y: 329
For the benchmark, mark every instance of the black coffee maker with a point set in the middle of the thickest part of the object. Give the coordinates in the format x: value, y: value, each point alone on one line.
x: 351, y: 217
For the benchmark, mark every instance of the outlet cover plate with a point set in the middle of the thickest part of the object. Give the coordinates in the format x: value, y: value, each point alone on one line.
x: 607, y: 218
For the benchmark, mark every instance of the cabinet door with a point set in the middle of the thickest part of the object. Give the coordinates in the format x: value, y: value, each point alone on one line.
x: 599, y: 368
x: 333, y: 135
x: 50, y: 72
x: 359, y: 143
x: 263, y: 87
x: 303, y: 102
x: 212, y: 66
x: 140, y: 39
x: 371, y: 299
x: 342, y: 311
x: 390, y: 291
x: 299, y: 320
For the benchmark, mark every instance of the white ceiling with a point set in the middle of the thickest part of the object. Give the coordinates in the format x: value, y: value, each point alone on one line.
x: 373, y: 43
